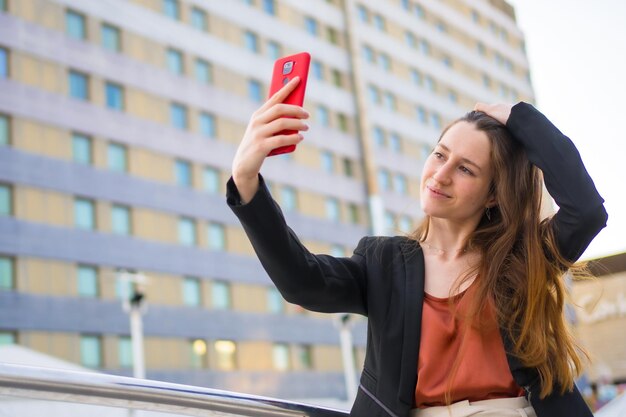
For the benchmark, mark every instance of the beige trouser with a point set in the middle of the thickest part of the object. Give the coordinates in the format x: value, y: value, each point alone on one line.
x: 501, y: 407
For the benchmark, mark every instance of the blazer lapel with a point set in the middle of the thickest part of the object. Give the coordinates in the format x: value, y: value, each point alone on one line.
x: 413, y: 301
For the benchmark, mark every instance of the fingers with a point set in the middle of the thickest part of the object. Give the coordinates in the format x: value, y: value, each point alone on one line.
x: 281, y: 124
x: 281, y: 140
x: 281, y: 110
x: 281, y: 94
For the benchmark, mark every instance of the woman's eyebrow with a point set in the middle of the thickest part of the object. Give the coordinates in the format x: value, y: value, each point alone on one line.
x: 467, y: 161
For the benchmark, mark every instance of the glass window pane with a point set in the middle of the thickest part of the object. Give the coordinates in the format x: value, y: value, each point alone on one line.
x: 220, y: 295
x: 7, y: 338
x: 379, y: 137
x: 421, y: 114
x: 78, y: 85
x: 4, y: 63
x: 353, y: 212
x: 405, y: 224
x: 304, y: 356
x: 254, y: 90
x: 211, y: 180
x: 117, y: 157
x: 187, y: 232
x: 120, y: 220
x: 251, y: 41
x: 225, y: 355
x: 175, y: 61
x: 171, y: 9
x: 199, y: 19
x: 114, y: 96
x: 6, y: 200
x: 317, y: 70
x: 273, y: 50
x: 178, y: 116
x: 327, y: 162
x: 275, y: 301
x: 383, y: 179
x: 323, y: 117
x: 191, y: 292
x: 362, y: 13
x: 203, y: 71
x: 87, y: 281
x: 280, y: 357
x: 183, y: 173
x: 111, y: 38
x: 395, y: 143
x: 4, y: 130
x: 6, y: 273
x: 216, y: 236
x: 125, y: 352
x: 269, y: 7
x: 197, y: 351
x: 207, y: 125
x: 81, y: 149
x: 90, y: 351
x: 75, y: 25
x: 288, y: 199
x: 337, y: 251
x: 399, y: 184
x: 310, y: 25
x: 84, y: 214
x: 332, y: 209
x: 435, y: 120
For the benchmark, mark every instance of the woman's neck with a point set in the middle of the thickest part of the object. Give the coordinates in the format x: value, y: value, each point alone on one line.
x: 447, y: 238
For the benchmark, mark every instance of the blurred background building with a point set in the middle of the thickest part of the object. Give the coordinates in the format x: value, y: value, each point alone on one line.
x: 118, y: 123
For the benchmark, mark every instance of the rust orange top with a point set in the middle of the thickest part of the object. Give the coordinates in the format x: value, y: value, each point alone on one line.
x: 483, y: 372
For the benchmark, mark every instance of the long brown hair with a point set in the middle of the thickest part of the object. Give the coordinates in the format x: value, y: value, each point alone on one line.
x: 521, y: 271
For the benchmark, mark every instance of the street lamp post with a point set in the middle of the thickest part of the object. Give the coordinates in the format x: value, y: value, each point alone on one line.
x: 134, y: 303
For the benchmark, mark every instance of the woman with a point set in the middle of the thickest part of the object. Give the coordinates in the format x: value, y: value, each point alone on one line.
x: 465, y: 316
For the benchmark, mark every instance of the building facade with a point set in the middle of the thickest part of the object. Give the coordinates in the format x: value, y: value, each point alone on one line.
x: 119, y: 120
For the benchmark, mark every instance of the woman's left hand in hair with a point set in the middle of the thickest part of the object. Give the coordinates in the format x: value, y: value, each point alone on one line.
x: 500, y: 111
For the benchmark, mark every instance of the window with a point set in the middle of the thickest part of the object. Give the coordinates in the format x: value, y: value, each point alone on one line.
x: 406, y: 4
x: 4, y: 130
x: 399, y: 184
x: 374, y: 94
x: 79, y: 87
x: 225, y: 355
x: 175, y: 63
x: 481, y: 48
x: 187, y: 232
x: 251, y: 41
x: 337, y: 78
x: 191, y: 292
x: 171, y: 8
x: 419, y: 11
x: 84, y: 214
x: 332, y: 36
x: 203, y: 71
x: 91, y: 351
x: 3, y: 5
x: 337, y: 251
x: 216, y: 236
x: 303, y: 356
x: 120, y: 219
x: 332, y: 209
x: 114, y: 96
x: 211, y: 180
x: 424, y: 47
x: 87, y: 281
x: 117, y: 157
x: 441, y: 27
x: 353, y: 213
x: 430, y: 83
x: 178, y: 116
x: 348, y: 170
x: 4, y: 63
x: 390, y: 101
x: 394, y: 143
x: 410, y: 40
x: 475, y: 16
x: 6, y: 273
x: 111, y: 38
x: 486, y: 81
x: 7, y: 338
x: 379, y: 137
x: 220, y: 295
x: 207, y: 125
x: 322, y: 116
x: 363, y: 14
x: 273, y: 50
x: 254, y: 90
x: 317, y: 70
x: 447, y: 61
x: 75, y: 25
x: 384, y: 61
x: 383, y: 180
x: 199, y: 19
x: 327, y: 162
x: 421, y: 114
x: 6, y: 200
x: 275, y: 302
x: 269, y: 7
x: 198, y: 350
x: 342, y: 121
x: 288, y: 199
x: 368, y: 54
x: 435, y: 119
x: 125, y: 352
x: 405, y: 224
x: 182, y: 171
x: 390, y: 221
x: 280, y: 357
x: 81, y: 149
x: 310, y: 25
x: 379, y: 22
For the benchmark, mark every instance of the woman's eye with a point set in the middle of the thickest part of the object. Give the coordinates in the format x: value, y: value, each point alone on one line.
x: 438, y: 155
x: 465, y: 170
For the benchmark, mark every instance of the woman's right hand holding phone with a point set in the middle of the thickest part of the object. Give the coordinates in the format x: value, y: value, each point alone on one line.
x: 261, y: 138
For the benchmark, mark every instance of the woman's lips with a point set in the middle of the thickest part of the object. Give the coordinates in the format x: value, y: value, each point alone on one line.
x: 437, y: 192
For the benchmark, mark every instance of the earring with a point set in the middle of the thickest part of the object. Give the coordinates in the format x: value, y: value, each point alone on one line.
x: 488, y: 213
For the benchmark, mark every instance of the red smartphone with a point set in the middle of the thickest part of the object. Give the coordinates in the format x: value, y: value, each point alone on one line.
x: 285, y: 69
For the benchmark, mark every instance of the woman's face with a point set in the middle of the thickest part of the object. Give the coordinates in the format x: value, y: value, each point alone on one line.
x: 457, y: 175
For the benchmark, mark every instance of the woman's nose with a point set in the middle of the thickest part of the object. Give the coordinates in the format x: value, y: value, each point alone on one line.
x: 442, y: 174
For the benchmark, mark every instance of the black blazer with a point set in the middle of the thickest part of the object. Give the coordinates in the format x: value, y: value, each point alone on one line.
x: 384, y: 278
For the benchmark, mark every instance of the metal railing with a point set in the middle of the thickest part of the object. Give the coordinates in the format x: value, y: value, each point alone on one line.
x: 27, y: 382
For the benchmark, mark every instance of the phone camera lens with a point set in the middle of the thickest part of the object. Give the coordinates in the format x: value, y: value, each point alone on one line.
x: 287, y: 67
